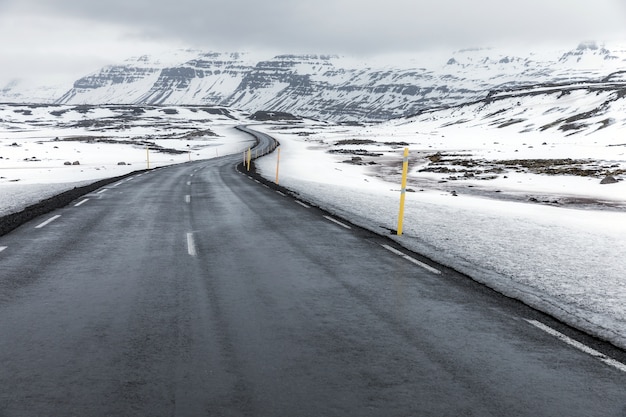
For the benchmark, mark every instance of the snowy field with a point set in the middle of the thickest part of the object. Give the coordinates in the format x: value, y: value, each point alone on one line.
x: 554, y: 241
x: 45, y: 150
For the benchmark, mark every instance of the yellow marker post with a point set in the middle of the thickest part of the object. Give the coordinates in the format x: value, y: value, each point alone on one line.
x: 249, y: 157
x: 277, y: 165
x: 148, y: 156
x: 405, y: 171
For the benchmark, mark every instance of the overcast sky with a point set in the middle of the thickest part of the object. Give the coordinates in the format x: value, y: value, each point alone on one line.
x: 52, y: 38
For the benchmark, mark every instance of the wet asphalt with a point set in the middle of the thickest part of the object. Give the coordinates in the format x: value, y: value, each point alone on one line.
x: 193, y: 290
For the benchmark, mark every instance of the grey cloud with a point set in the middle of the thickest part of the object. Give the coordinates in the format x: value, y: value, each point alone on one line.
x: 350, y: 25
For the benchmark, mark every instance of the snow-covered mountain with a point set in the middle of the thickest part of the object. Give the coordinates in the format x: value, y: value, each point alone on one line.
x: 333, y: 87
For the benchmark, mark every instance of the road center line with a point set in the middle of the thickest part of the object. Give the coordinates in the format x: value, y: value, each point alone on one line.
x: 338, y: 222
x: 302, y: 204
x: 411, y: 259
x: 191, y: 245
x: 47, y: 222
x: 81, y: 203
x: 576, y: 344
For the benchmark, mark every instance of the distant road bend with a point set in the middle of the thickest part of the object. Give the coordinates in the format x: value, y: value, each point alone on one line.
x: 193, y: 290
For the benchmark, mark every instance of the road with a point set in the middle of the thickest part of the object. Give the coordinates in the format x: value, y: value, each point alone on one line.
x: 193, y: 290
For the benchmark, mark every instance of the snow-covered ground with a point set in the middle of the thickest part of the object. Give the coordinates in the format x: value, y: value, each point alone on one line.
x: 40, y: 144
x: 553, y: 241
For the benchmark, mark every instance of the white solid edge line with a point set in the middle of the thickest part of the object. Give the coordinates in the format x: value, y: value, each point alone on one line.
x: 302, y: 204
x: 337, y: 222
x: 576, y: 344
x: 81, y: 203
x: 47, y: 222
x: 413, y: 260
x: 191, y: 245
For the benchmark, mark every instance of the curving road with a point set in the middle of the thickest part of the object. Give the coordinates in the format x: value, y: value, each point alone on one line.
x: 193, y: 290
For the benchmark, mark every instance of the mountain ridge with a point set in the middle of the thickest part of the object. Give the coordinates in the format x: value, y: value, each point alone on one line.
x: 333, y: 87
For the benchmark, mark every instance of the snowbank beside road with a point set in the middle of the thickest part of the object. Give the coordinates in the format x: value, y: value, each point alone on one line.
x: 567, y: 262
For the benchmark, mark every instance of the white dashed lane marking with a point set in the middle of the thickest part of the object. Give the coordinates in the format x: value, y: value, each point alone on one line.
x: 191, y: 245
x: 2, y: 248
x: 302, y: 204
x: 337, y: 222
x: 576, y: 344
x: 47, y: 222
x: 411, y: 259
x: 81, y: 203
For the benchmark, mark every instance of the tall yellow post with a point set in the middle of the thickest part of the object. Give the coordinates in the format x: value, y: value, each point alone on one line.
x: 405, y: 171
x: 249, y: 157
x: 277, y: 164
x: 148, y: 156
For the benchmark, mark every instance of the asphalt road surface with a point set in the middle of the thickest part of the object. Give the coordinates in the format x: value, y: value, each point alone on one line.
x: 193, y: 290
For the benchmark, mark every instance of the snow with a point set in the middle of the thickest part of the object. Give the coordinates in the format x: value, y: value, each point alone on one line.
x: 35, y: 146
x: 565, y: 259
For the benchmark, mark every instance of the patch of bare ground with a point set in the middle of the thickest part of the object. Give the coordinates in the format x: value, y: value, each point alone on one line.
x: 150, y: 145
x: 362, y: 156
x: 458, y: 173
x: 369, y: 142
x: 470, y: 167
